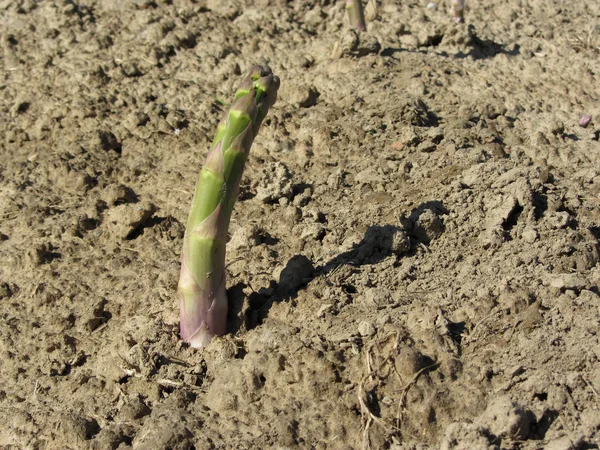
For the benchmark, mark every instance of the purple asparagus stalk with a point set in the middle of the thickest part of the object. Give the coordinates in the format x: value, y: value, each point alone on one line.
x: 201, y: 290
x: 356, y: 14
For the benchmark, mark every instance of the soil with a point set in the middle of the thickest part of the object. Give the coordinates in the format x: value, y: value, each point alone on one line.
x: 413, y: 261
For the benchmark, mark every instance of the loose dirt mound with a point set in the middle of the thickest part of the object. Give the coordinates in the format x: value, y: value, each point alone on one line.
x: 414, y: 257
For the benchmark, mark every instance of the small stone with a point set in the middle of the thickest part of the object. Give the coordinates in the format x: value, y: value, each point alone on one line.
x: 585, y: 121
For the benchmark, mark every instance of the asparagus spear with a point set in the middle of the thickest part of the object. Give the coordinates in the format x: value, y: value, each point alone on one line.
x: 201, y: 290
x: 457, y: 9
x: 356, y: 14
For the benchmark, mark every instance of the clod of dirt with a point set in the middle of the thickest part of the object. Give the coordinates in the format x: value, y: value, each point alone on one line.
x: 564, y: 281
x: 113, y: 435
x: 75, y: 428
x: 166, y: 429
x: 130, y: 69
x: 124, y: 220
x: 356, y: 44
x: 275, y: 184
x: 417, y: 113
x: 506, y: 419
x: 137, y: 119
x: 42, y: 254
x: 557, y: 219
x: 428, y: 226
x: 5, y: 291
x: 94, y: 315
x: 429, y: 35
x: 244, y: 237
x: 366, y: 329
x: 529, y: 235
x: 425, y: 223
x: 133, y: 409
x: 382, y: 241
x: 569, y: 442
x: 515, y: 300
x: 409, y: 361
x: 117, y: 194
x: 229, y: 9
x: 460, y: 38
x: 301, y: 96
x: 467, y: 436
x: 109, y: 141
x: 501, y: 213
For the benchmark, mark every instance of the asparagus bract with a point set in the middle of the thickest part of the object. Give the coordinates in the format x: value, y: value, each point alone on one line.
x: 201, y: 289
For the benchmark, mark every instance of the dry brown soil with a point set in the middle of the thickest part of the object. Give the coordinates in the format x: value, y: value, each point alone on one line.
x: 413, y: 260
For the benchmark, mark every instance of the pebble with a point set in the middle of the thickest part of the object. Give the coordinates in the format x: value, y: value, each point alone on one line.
x: 585, y: 121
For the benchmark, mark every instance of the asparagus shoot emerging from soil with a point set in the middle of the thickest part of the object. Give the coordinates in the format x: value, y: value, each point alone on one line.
x: 356, y: 14
x: 457, y: 9
x: 201, y: 290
